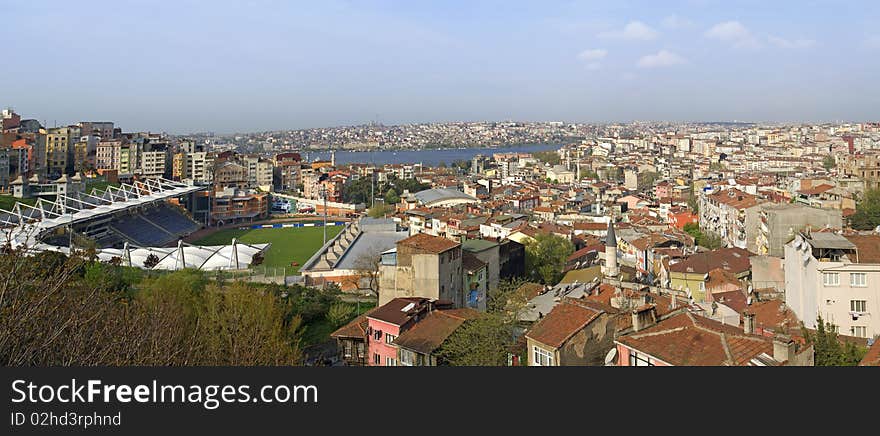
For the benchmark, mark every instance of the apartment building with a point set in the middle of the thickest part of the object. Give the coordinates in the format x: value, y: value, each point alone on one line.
x: 259, y: 170
x: 59, y: 148
x: 422, y: 266
x: 780, y: 221
x: 835, y: 276
x: 733, y: 216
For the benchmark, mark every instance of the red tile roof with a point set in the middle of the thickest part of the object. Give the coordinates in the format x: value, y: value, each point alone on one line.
x: 429, y: 333
x: 689, y: 340
x: 566, y: 319
x: 868, y: 247
x: 872, y: 358
x: 426, y: 242
x: 734, y: 260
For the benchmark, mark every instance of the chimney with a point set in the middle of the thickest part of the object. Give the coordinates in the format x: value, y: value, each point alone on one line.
x: 748, y: 323
x: 783, y: 348
x: 644, y: 317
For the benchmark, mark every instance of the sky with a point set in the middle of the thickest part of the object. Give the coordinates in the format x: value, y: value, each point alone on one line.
x: 243, y: 66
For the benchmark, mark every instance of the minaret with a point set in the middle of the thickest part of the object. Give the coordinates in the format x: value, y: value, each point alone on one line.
x: 611, y: 251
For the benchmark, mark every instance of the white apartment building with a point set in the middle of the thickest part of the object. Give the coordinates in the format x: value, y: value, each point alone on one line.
x: 201, y: 166
x: 837, y: 277
x: 154, y: 163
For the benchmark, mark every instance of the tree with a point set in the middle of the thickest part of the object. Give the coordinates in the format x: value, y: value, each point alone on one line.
x: 151, y: 261
x: 499, y: 298
x: 550, y: 157
x: 703, y: 240
x: 867, y: 216
x: 829, y: 351
x: 380, y: 210
x: 828, y: 162
x: 391, y: 196
x: 366, y: 266
x: 242, y: 327
x: 339, y: 314
x: 61, y: 311
x: 546, y: 256
x: 483, y: 341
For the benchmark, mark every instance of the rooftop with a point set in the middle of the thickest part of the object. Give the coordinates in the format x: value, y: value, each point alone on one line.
x: 429, y: 333
x: 426, y: 242
x: 563, y: 321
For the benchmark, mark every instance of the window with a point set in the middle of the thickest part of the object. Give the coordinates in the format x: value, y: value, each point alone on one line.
x: 859, y: 331
x: 636, y: 359
x: 389, y: 338
x: 858, y: 280
x: 390, y: 362
x: 858, y: 306
x: 542, y: 357
x: 406, y: 358
x: 376, y: 359
x: 377, y: 335
x: 831, y: 279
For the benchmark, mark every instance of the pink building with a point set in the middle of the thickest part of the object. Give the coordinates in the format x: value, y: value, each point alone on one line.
x: 663, y: 190
x: 387, y: 322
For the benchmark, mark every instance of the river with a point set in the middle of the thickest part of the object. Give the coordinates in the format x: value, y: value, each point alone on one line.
x: 428, y: 157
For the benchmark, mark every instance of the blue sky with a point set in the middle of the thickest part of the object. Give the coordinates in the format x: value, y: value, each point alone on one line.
x: 225, y: 66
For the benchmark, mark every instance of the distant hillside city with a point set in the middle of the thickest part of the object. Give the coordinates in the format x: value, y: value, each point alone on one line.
x: 638, y: 244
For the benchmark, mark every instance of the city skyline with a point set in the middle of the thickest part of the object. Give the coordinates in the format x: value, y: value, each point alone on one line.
x: 238, y: 68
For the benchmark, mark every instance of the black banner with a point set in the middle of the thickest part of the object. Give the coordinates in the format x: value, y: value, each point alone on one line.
x: 395, y: 400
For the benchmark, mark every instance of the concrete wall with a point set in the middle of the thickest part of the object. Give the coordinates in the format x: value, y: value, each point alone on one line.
x: 767, y: 272
x: 493, y: 261
x: 589, y: 346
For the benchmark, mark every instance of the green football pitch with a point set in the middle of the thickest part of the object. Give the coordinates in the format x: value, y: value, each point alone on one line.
x: 289, y: 244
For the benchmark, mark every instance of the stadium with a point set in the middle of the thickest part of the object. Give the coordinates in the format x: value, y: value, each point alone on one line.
x: 141, y: 224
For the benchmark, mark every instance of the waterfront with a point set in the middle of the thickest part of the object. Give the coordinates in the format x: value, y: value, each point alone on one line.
x: 429, y: 157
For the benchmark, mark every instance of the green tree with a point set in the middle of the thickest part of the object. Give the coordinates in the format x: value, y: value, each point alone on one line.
x: 546, y: 256
x: 829, y: 350
x: 484, y: 341
x: 867, y: 215
x: 828, y: 162
x: 339, y: 314
x: 380, y: 210
x: 391, y: 196
x: 241, y: 326
x: 709, y: 241
x: 550, y: 157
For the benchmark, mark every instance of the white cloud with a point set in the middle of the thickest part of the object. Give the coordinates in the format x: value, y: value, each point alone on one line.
x: 593, y: 54
x: 675, y: 22
x: 791, y: 44
x: 633, y: 31
x: 734, y: 33
x: 663, y: 58
x: 873, y: 41
x: 593, y: 66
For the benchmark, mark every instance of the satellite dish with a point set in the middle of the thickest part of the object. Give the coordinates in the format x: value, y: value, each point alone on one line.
x: 611, y: 357
x: 749, y: 301
x: 750, y: 289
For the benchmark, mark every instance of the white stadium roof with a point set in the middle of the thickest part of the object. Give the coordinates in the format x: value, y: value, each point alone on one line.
x: 23, y: 225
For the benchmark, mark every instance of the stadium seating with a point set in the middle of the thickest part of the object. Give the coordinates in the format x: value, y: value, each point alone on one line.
x: 171, y: 220
x: 155, y: 227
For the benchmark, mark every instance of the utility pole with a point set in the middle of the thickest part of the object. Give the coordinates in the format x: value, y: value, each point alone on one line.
x: 324, y: 195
